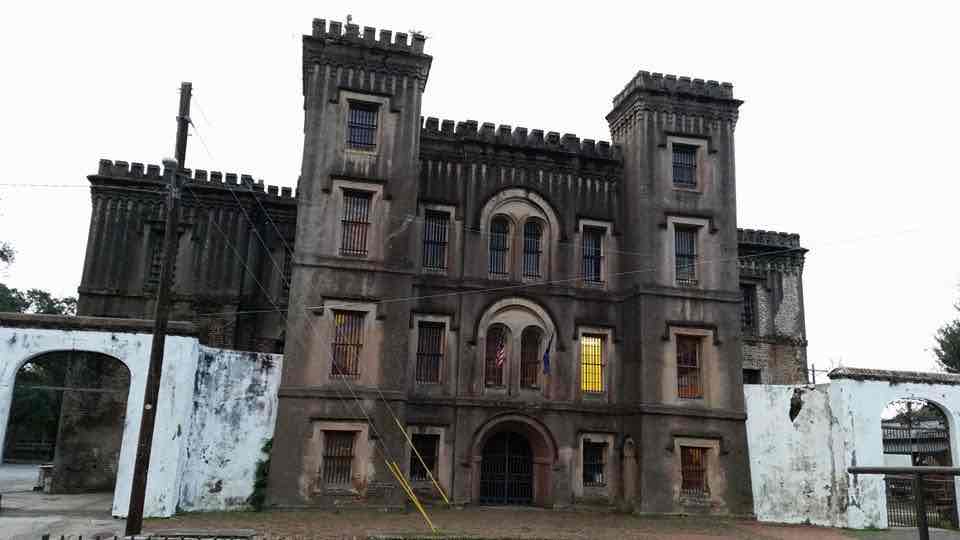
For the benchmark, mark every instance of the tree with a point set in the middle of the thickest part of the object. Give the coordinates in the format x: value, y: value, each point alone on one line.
x: 31, y: 300
x: 6, y: 253
x: 947, y: 348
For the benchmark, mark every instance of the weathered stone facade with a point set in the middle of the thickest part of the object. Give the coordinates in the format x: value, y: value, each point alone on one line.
x: 481, y: 249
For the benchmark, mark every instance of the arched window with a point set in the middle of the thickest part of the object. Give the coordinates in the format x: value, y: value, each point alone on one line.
x: 499, y: 246
x: 530, y: 356
x: 532, y: 248
x: 496, y: 356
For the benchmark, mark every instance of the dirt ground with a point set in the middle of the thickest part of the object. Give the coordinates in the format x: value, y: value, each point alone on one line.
x: 493, y: 523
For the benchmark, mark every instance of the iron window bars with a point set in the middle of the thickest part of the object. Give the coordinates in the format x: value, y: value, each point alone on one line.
x: 496, y: 354
x: 748, y: 309
x: 593, y: 254
x: 594, y: 464
x: 337, y: 464
x: 435, y: 233
x: 591, y: 363
x: 689, y: 385
x: 685, y: 246
x: 427, y: 445
x: 356, y: 222
x: 429, y: 351
x: 532, y: 249
x: 499, y: 246
x: 693, y: 472
x: 530, y: 357
x: 685, y: 165
x: 347, y: 343
x: 362, y: 125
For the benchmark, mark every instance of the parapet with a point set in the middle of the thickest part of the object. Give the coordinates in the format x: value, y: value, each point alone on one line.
x: 137, y: 171
x: 351, y: 33
x: 520, y: 137
x: 672, y: 84
x: 768, y: 238
x: 893, y: 377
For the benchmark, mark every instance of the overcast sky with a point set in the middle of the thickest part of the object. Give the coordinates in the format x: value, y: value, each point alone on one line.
x: 847, y: 136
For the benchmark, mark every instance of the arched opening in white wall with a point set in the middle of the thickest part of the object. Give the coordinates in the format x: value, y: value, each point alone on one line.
x: 916, y: 432
x: 66, y: 422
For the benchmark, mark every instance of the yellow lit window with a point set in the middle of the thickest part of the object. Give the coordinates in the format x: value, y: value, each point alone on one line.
x: 591, y: 363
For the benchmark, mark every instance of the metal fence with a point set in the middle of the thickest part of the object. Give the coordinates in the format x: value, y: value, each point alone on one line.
x: 940, y: 498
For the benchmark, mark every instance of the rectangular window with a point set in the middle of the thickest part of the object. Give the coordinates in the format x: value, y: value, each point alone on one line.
x: 499, y: 247
x: 356, y: 222
x: 435, y: 232
x: 591, y: 363
x: 532, y: 249
x: 362, y: 125
x: 430, y: 338
x: 688, y: 368
x: 748, y: 309
x: 347, y: 343
x: 693, y: 471
x: 593, y: 254
x: 594, y: 464
x: 684, y: 165
x: 427, y: 445
x: 751, y: 376
x: 685, y: 246
x: 530, y: 357
x: 336, y: 468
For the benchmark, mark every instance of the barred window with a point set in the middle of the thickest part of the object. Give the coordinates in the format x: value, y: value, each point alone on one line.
x: 693, y: 471
x: 685, y: 165
x: 591, y: 363
x: 429, y: 351
x: 594, y: 464
x: 336, y: 468
x: 593, y: 254
x: 748, y: 309
x: 152, y: 281
x: 436, y: 227
x: 347, y: 343
x: 499, y: 246
x: 532, y: 249
x: 689, y: 385
x: 362, y: 126
x: 530, y: 356
x: 496, y: 356
x: 427, y: 445
x: 685, y: 246
x: 356, y: 222
x: 287, y: 276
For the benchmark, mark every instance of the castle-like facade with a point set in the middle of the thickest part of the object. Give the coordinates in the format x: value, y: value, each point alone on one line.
x: 551, y: 320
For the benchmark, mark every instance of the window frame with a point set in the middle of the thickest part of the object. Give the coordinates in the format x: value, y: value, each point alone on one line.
x: 488, y: 369
x: 602, y: 362
x: 360, y: 123
x: 696, y: 369
x: 438, y: 357
x: 502, y: 248
x: 357, y: 331
x: 690, y: 164
x: 689, y: 454
x: 749, y: 291
x: 440, y: 239
x: 535, y: 254
x: 325, y: 455
x: 602, y: 449
x: 416, y: 466
x: 355, y: 217
x: 535, y: 360
x: 591, y: 264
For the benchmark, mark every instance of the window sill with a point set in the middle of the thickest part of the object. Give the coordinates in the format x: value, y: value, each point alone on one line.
x: 688, y: 189
x: 371, y: 152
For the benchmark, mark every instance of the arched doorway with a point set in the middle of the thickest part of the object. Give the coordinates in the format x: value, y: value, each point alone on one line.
x: 68, y: 412
x: 916, y: 433
x: 512, y: 459
x: 506, y: 470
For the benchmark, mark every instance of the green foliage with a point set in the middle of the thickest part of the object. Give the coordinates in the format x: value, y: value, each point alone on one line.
x: 7, y: 253
x: 258, y: 498
x: 947, y: 348
x: 35, y: 301
x: 35, y: 412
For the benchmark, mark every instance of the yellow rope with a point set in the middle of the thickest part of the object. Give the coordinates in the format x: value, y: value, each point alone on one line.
x: 395, y: 469
x: 420, y: 458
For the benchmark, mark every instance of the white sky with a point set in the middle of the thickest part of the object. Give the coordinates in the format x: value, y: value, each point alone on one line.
x: 847, y: 135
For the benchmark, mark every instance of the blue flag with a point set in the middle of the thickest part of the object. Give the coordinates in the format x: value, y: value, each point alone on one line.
x: 546, y: 357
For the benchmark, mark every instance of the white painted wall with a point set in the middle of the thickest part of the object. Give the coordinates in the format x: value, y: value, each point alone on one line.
x: 211, y: 422
x: 234, y: 413
x: 798, y: 467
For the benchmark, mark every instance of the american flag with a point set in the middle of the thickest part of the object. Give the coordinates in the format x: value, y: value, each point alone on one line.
x: 501, y: 350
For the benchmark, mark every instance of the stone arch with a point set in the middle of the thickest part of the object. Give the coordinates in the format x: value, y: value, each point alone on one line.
x: 542, y: 443
x: 516, y: 314
x: 521, y: 205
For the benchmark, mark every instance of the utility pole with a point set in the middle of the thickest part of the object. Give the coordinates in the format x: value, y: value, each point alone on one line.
x: 161, y: 314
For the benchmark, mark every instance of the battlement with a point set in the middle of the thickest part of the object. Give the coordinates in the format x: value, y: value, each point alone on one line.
x: 768, y: 238
x: 243, y: 182
x: 672, y: 84
x: 351, y: 33
x: 519, y: 137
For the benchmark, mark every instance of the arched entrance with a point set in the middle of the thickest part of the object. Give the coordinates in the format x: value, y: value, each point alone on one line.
x: 916, y: 433
x: 506, y: 470
x: 68, y: 411
x: 512, y: 462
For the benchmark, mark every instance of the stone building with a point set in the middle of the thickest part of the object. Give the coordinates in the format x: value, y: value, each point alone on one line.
x: 553, y: 320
